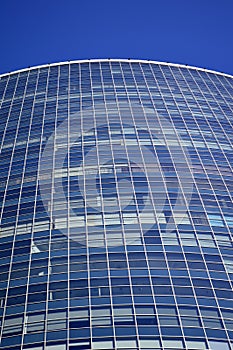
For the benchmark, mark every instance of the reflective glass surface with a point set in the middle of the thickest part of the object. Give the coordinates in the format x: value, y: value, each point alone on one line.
x: 116, y: 207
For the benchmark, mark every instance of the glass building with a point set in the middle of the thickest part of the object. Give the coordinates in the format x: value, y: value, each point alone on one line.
x: 116, y: 207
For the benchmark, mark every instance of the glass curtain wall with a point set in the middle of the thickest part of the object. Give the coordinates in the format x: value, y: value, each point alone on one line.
x: 116, y: 193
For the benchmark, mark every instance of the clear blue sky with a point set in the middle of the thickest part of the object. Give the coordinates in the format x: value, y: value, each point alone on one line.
x: 194, y: 32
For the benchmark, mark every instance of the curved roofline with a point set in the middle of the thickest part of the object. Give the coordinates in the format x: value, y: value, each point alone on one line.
x: 179, y: 65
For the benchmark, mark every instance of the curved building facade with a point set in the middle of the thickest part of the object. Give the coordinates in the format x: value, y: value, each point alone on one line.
x: 116, y: 190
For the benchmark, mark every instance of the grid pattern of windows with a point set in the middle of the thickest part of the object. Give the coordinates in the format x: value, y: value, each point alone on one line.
x: 116, y: 211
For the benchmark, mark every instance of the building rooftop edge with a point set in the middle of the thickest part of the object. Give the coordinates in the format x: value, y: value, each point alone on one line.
x: 117, y: 60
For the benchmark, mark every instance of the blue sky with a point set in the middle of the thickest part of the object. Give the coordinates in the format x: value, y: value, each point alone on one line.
x: 194, y: 32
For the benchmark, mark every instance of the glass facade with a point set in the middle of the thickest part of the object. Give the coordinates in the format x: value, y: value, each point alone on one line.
x: 116, y: 207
